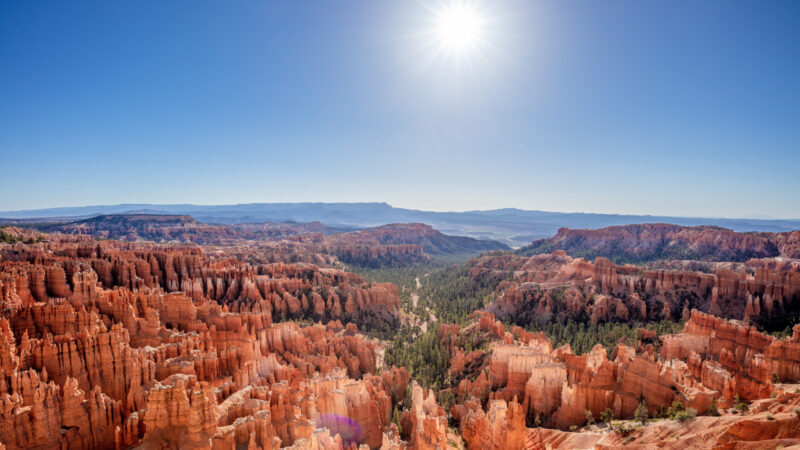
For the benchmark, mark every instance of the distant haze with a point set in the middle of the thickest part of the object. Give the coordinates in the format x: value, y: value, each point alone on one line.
x: 514, y: 227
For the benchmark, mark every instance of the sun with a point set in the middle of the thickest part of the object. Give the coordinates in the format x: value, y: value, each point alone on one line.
x: 459, y: 27
x: 455, y: 38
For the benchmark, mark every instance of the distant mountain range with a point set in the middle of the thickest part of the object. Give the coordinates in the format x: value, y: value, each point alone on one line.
x: 515, y: 227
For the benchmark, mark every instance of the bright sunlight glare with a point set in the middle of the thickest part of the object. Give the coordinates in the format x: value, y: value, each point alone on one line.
x: 459, y: 26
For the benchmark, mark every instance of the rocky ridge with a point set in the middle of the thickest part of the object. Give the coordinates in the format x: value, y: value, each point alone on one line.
x: 557, y: 287
x: 660, y: 241
x: 393, y: 244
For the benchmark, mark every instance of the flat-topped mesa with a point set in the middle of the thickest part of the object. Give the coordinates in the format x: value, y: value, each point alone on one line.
x: 151, y: 227
x: 408, y: 237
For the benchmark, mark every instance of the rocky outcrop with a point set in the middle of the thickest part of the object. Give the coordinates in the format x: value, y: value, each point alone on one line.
x: 280, y: 290
x: 712, y: 360
x: 770, y: 423
x: 659, y: 241
x: 542, y: 288
x: 108, y: 344
x: 745, y: 361
x: 501, y: 426
x: 296, y: 242
x: 175, y: 417
x: 113, y: 345
x: 426, y: 420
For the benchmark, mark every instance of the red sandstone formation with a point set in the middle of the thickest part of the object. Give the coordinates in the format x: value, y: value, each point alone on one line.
x: 789, y: 244
x: 769, y: 424
x: 426, y: 421
x: 501, y: 426
x: 654, y: 241
x: 529, y: 382
x: 114, y: 345
x: 394, y: 244
x: 111, y: 345
x: 736, y: 359
x: 180, y: 228
x: 291, y: 290
x: 285, y: 242
x: 543, y: 287
x: 10, y: 234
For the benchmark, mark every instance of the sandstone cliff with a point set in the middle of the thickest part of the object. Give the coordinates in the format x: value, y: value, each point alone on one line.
x: 657, y: 241
x: 556, y: 287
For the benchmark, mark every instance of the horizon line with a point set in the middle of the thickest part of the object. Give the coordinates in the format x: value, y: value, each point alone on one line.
x: 677, y: 216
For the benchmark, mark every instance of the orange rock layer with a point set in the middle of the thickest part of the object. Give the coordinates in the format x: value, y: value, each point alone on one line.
x: 109, y: 345
x: 527, y: 381
x: 555, y: 286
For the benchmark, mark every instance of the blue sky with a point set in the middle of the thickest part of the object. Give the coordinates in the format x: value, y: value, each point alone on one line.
x: 683, y: 107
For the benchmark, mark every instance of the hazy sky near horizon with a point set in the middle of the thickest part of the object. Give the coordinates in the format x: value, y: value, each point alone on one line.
x: 685, y: 107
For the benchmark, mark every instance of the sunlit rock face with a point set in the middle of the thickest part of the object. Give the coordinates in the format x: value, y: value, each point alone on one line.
x: 72, y: 270
x: 524, y: 381
x: 547, y: 287
x: 426, y: 420
x: 658, y: 241
x: 113, y: 345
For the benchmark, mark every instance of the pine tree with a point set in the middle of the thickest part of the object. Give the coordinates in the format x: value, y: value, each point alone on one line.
x: 641, y: 413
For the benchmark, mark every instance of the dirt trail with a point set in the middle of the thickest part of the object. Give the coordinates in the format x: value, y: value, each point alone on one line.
x: 422, y: 323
